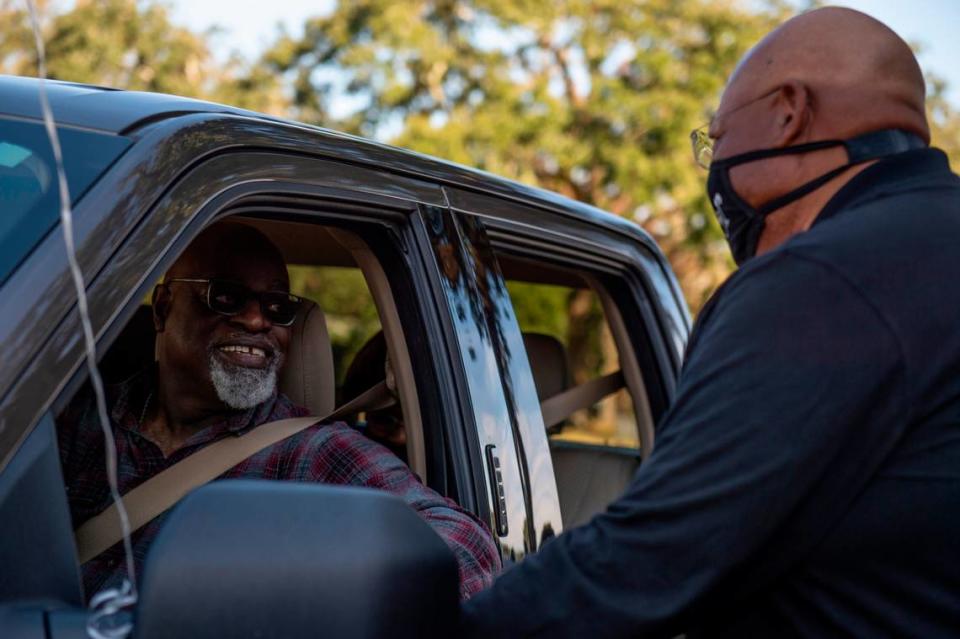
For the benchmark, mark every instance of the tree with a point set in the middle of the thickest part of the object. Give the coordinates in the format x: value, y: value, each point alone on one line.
x: 594, y: 100
x: 944, y: 120
x: 590, y: 98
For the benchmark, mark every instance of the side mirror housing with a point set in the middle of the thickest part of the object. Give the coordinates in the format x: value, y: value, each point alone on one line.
x: 280, y: 559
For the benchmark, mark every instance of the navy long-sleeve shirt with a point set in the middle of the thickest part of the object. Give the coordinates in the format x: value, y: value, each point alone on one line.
x: 806, y: 481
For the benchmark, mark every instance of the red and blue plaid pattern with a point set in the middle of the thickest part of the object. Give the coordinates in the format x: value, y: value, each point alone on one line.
x: 328, y: 453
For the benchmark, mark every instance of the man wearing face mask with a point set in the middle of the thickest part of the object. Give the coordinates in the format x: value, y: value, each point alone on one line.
x: 806, y: 480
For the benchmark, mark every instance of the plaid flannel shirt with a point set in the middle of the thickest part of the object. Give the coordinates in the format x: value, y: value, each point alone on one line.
x: 327, y: 453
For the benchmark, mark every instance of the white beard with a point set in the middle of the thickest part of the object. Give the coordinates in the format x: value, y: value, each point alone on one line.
x: 240, y: 387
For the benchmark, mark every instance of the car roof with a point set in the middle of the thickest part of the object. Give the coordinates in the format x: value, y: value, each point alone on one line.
x: 93, y: 107
x: 118, y: 111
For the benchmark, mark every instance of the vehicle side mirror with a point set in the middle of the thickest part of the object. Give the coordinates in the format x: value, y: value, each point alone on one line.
x: 267, y: 559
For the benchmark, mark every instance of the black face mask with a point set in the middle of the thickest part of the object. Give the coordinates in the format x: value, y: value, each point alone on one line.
x: 743, y: 224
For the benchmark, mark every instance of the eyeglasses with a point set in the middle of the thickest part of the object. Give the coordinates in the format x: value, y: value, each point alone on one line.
x: 702, y: 146
x: 230, y: 298
x: 701, y: 141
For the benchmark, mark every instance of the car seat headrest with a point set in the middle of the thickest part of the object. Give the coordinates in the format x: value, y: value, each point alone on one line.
x: 307, y: 377
x: 549, y: 364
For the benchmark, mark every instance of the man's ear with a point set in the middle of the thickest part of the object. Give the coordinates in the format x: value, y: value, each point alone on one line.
x: 161, y: 306
x: 793, y: 112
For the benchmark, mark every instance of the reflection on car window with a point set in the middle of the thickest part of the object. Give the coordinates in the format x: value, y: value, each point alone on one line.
x: 29, y: 198
x: 25, y: 178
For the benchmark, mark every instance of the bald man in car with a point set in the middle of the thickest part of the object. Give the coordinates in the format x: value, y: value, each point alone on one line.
x: 223, y: 316
x: 806, y: 481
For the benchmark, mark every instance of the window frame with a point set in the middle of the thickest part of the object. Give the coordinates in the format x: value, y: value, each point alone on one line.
x: 56, y: 372
x: 475, y: 405
x: 622, y: 282
x: 634, y: 380
x: 629, y: 296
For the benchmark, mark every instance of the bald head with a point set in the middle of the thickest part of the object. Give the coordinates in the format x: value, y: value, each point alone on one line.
x: 861, y: 76
x: 223, y: 244
x: 829, y: 75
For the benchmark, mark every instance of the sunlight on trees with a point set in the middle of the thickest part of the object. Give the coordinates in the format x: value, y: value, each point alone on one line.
x: 593, y: 99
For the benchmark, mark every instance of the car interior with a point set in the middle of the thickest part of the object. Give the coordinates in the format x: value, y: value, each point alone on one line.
x: 598, y: 422
x: 597, y: 439
x: 310, y: 374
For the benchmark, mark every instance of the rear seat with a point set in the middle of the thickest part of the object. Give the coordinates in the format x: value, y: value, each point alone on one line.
x: 589, y: 477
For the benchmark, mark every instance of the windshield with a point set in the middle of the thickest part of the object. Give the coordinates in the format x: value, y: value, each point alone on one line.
x: 29, y: 199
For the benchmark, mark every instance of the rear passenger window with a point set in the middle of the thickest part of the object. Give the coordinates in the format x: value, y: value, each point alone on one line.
x: 569, y: 344
x: 591, y: 392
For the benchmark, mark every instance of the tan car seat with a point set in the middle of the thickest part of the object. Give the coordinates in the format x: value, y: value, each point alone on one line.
x: 307, y: 377
x: 589, y: 477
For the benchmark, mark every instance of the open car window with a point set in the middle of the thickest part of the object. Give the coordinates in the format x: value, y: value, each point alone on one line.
x: 357, y: 354
x: 591, y: 391
x: 569, y: 344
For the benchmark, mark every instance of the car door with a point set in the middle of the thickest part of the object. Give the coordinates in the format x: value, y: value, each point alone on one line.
x: 595, y: 260
x: 131, y: 226
x: 479, y: 322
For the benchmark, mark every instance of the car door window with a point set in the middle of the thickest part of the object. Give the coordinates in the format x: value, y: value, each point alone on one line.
x: 353, y: 303
x: 327, y: 275
x: 593, y: 423
x: 570, y: 344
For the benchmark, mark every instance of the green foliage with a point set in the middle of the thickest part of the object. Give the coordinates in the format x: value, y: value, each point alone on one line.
x: 343, y: 295
x: 573, y: 316
x: 944, y: 121
x: 593, y: 99
x: 541, y: 308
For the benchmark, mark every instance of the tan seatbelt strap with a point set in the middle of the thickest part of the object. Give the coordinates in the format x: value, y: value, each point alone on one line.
x: 166, y: 488
x: 557, y: 408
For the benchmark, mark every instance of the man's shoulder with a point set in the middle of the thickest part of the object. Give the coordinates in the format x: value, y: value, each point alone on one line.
x: 781, y: 292
x: 316, y: 435
x: 335, y: 452
x: 892, y: 236
x: 889, y: 227
x: 885, y: 247
x: 80, y: 413
x: 781, y: 273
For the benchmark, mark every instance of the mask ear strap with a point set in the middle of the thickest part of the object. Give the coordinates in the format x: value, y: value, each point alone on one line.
x: 762, y: 154
x: 801, y: 190
x: 863, y: 148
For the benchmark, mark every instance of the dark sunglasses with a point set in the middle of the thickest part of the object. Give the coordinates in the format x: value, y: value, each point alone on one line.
x: 230, y: 298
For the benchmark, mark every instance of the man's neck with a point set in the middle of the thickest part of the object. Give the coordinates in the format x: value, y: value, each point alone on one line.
x: 171, y: 418
x: 799, y: 216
